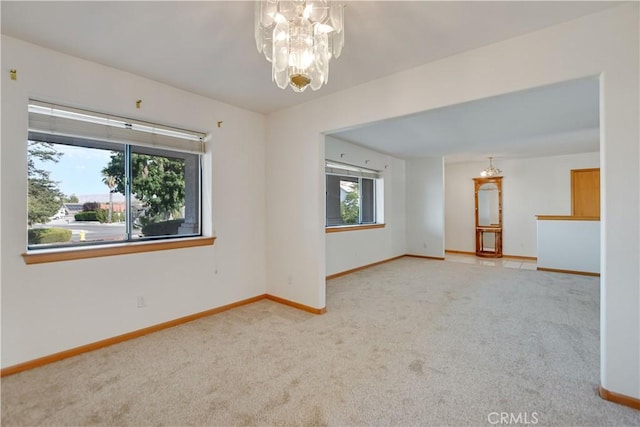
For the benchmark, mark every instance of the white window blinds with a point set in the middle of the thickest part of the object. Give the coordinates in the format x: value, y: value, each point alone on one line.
x: 335, y: 168
x: 56, y: 123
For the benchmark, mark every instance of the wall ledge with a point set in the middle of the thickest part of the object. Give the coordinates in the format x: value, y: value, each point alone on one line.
x: 341, y: 228
x: 566, y: 218
x: 68, y: 254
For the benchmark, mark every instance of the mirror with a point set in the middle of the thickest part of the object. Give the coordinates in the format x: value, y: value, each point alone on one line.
x: 488, y: 215
x: 488, y: 193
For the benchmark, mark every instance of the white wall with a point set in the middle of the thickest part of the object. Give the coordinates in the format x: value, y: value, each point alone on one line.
x: 425, y: 207
x: 48, y: 308
x: 604, y: 44
x: 569, y: 245
x: 530, y: 187
x: 352, y: 249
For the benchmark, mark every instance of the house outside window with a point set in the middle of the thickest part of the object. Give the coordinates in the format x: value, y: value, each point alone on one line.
x: 97, y: 179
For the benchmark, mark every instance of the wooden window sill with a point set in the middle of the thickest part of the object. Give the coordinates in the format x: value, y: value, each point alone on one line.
x: 42, y: 256
x: 341, y: 228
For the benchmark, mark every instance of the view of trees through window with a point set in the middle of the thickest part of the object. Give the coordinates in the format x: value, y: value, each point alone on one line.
x: 77, y: 193
x: 44, y: 195
x: 349, y: 200
x: 350, y: 203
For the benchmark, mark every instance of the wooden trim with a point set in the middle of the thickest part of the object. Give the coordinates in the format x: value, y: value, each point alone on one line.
x: 353, y: 270
x: 619, y: 398
x: 482, y: 229
x: 447, y: 251
x: 527, y: 258
x: 103, y: 251
x: 426, y: 257
x: 585, y: 170
x: 566, y: 218
x: 342, y: 228
x: 35, y: 363
x: 124, y: 337
x: 294, y: 304
x: 556, y: 270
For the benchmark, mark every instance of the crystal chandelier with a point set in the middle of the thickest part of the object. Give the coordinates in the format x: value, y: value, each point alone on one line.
x: 490, y: 171
x: 299, y: 38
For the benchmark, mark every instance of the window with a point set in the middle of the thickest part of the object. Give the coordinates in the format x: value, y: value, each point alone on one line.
x: 97, y: 179
x: 351, y: 195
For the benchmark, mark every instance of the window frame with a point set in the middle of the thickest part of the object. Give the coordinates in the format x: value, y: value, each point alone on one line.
x: 193, y: 152
x: 93, y: 251
x: 350, y: 172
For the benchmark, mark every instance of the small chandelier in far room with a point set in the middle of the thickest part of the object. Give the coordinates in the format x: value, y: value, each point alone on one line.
x: 299, y: 37
x: 490, y: 171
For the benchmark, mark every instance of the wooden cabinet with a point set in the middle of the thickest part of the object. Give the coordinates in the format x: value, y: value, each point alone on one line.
x: 488, y: 207
x: 585, y: 192
x: 489, y: 242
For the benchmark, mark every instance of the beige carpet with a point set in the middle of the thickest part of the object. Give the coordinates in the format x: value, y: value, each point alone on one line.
x: 410, y: 343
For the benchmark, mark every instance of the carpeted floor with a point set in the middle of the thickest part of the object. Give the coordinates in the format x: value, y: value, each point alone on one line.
x: 411, y: 342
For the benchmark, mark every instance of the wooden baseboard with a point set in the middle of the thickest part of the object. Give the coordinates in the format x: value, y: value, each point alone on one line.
x: 619, y: 398
x: 121, y: 338
x: 10, y: 370
x: 556, y: 270
x: 353, y: 270
x: 299, y: 306
x: 426, y: 257
x: 447, y: 251
x: 527, y: 258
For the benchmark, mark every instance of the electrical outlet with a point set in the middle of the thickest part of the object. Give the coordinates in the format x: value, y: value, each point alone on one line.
x: 141, y: 303
x: 289, y: 279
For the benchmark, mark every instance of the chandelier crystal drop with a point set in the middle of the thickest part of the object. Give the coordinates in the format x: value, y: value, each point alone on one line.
x: 299, y: 37
x: 490, y: 171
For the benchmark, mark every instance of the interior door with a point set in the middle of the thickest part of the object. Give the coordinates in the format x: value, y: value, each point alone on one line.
x: 585, y: 192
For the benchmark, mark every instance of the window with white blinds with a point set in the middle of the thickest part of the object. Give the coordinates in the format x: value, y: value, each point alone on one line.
x: 351, y: 194
x: 66, y: 123
x: 95, y: 178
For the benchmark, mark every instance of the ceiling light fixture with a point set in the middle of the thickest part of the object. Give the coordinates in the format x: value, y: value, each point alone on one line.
x: 299, y: 37
x: 490, y: 171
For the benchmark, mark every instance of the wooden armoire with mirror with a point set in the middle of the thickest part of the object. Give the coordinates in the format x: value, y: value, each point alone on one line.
x: 488, y: 205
